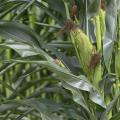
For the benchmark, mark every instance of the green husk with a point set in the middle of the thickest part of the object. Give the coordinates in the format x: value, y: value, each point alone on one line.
x: 100, y: 30
x: 84, y: 50
x: 102, y: 21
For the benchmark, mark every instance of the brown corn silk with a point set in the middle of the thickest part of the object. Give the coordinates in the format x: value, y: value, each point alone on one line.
x: 73, y: 11
x: 103, y: 4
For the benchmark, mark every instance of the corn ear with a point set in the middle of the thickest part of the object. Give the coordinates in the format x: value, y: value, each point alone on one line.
x: 84, y: 50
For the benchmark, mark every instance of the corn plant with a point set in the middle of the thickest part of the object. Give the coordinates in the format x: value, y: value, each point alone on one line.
x: 59, y: 60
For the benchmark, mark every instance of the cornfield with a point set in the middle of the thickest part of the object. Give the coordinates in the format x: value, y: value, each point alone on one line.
x: 59, y: 59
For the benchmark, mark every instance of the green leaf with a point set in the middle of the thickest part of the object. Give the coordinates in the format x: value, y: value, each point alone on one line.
x: 116, y: 116
x: 110, y: 107
x: 93, y: 8
x: 110, y: 35
x: 22, y: 49
x: 57, y: 6
x: 80, y: 83
x: 118, y: 4
x: 4, y: 68
x: 19, y: 32
x: 22, y: 34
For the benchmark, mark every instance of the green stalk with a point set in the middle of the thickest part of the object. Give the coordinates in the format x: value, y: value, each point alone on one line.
x: 98, y: 32
x: 67, y: 9
x: 86, y: 17
x: 31, y: 16
x: 117, y: 59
